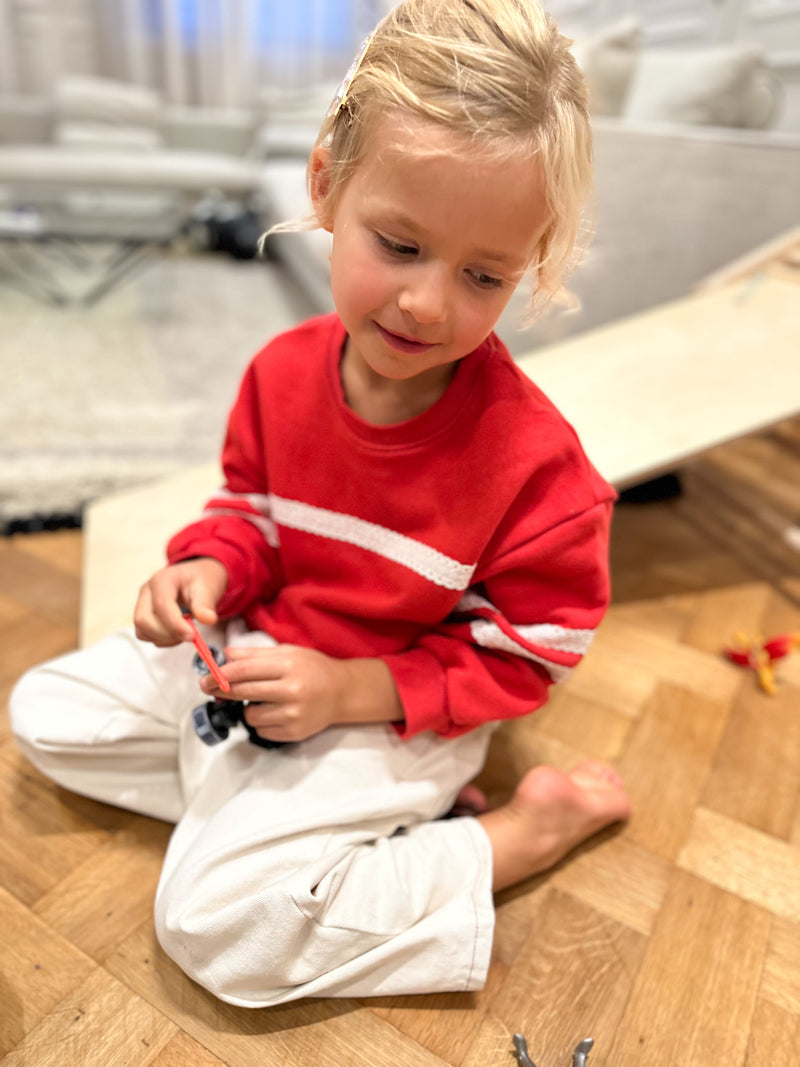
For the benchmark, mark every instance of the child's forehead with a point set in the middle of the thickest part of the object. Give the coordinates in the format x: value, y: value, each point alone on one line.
x: 401, y: 133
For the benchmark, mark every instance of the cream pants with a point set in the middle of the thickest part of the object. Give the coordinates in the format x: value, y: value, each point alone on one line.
x: 317, y: 869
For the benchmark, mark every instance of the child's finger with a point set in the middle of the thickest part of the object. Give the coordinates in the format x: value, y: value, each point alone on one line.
x: 234, y: 652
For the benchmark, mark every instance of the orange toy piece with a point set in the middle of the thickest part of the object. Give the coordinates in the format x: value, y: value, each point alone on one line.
x: 759, y: 656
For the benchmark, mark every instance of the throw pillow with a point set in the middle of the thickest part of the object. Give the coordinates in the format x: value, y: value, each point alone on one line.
x: 608, y: 60
x: 702, y: 87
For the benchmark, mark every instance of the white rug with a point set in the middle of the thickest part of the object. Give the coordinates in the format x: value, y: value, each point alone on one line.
x: 101, y: 398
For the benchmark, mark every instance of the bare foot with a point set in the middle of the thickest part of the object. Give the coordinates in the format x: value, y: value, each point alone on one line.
x: 549, y: 814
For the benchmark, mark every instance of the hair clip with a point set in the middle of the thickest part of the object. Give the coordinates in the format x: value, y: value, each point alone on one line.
x: 341, y: 93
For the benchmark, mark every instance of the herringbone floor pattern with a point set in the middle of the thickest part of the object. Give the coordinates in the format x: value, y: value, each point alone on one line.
x: 674, y: 942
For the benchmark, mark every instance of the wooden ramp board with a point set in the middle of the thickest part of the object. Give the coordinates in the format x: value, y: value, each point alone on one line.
x: 653, y: 390
x: 125, y: 535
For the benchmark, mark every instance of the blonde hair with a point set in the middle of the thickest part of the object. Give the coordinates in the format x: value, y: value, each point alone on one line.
x: 496, y: 72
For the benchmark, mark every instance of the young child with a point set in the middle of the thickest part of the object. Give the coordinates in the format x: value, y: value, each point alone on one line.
x: 410, y: 547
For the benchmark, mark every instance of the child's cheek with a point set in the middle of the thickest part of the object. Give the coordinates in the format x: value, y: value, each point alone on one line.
x: 367, y: 284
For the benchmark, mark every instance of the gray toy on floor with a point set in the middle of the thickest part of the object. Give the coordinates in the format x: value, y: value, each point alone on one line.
x: 578, y: 1056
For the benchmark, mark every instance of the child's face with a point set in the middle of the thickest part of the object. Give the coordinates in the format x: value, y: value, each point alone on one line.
x: 428, y: 247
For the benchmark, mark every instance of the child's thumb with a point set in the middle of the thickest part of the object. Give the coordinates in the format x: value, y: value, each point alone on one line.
x: 203, y: 613
x: 201, y: 603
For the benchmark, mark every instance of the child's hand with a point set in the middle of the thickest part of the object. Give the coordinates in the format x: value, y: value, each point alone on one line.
x: 296, y: 692
x: 196, y: 584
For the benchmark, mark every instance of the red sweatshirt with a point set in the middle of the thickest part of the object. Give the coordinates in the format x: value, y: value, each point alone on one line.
x: 466, y: 547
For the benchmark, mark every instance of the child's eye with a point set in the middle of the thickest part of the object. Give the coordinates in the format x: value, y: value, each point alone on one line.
x: 396, y: 248
x: 485, y: 281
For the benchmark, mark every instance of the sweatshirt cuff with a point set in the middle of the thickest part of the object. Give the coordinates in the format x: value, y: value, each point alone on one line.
x: 235, y: 598
x: 420, y: 681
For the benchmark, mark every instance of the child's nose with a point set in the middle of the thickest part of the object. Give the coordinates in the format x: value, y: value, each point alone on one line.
x: 425, y: 296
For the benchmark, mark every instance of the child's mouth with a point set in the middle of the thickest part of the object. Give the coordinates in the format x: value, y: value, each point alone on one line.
x: 401, y: 343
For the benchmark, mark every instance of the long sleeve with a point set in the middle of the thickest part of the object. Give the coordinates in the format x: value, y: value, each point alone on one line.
x: 234, y: 528
x: 525, y: 625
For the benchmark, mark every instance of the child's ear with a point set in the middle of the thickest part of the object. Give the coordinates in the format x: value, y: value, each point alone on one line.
x: 319, y: 185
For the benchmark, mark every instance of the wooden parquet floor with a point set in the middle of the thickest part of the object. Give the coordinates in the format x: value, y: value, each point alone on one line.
x: 673, y: 942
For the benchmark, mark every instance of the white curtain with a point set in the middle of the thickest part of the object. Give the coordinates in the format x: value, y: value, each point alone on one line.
x: 214, y: 53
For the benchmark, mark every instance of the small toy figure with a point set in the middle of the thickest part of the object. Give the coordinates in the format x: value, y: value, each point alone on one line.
x: 214, y: 719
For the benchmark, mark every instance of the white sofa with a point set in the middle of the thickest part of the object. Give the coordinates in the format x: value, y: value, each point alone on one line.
x: 113, y: 148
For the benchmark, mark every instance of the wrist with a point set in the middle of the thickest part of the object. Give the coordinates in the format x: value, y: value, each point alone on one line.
x: 368, y: 693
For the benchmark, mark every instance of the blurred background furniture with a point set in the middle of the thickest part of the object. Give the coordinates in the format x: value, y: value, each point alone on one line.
x: 106, y: 172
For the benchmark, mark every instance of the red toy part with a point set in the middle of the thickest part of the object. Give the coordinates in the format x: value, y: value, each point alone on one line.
x: 742, y: 656
x: 759, y: 656
x: 782, y: 645
x: 205, y: 654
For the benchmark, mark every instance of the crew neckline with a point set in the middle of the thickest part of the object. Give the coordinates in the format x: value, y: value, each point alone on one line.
x: 419, y: 429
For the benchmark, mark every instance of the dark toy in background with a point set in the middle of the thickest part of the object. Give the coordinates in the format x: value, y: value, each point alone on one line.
x: 226, y: 226
x: 214, y: 719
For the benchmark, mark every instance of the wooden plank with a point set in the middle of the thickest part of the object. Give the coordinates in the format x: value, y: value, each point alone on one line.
x: 781, y: 980
x: 659, y: 550
x: 571, y: 980
x: 774, y: 1037
x: 46, y: 588
x: 695, y: 994
x: 619, y: 879
x: 612, y: 676
x: 182, y: 1050
x: 101, y: 902
x: 731, y: 513
x: 449, y: 1025
x: 666, y: 764
x: 99, y: 1023
x: 39, y: 969
x: 43, y: 840
x: 755, y: 772
x: 630, y: 649
x: 583, y: 724
x: 720, y: 614
x: 744, y: 861
x: 62, y: 549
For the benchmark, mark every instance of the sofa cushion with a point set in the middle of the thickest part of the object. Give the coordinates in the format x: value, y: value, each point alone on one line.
x: 91, y: 113
x: 726, y: 85
x: 88, y: 99
x: 93, y: 135
x: 608, y: 61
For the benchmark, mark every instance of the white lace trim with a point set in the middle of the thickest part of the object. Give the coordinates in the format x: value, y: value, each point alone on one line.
x: 425, y: 561
x: 489, y: 635
x: 265, y: 525
x: 543, y: 634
